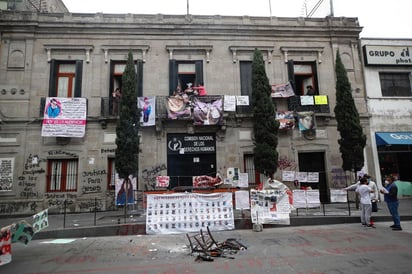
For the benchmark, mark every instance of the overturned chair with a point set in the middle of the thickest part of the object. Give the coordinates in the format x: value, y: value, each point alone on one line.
x: 204, y: 244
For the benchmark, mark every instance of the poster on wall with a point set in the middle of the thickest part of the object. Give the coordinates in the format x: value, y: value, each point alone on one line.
x: 338, y: 196
x: 64, y: 117
x: 242, y: 199
x: 312, y: 198
x: 229, y: 103
x: 148, y: 108
x: 306, y: 198
x: 270, y: 206
x: 288, y: 175
x: 6, y: 174
x: 189, y: 212
x: 162, y: 181
x: 124, y: 190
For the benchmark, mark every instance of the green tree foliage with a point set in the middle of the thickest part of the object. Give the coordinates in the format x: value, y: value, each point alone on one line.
x: 127, y: 139
x: 265, y: 125
x: 352, y: 141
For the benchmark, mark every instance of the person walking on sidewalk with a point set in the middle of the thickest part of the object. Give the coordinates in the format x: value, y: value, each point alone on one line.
x: 391, y: 198
x: 364, y: 192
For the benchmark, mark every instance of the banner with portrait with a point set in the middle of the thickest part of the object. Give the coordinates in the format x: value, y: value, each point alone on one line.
x: 286, y: 119
x: 207, y: 112
x: 271, y: 206
x: 282, y: 90
x: 178, y: 107
x: 64, y: 117
x: 147, y: 105
x: 124, y: 190
x: 306, y: 120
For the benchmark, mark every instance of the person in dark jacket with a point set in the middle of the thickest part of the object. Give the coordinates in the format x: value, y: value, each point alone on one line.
x: 391, y: 198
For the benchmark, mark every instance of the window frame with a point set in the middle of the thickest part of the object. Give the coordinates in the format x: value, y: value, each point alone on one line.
x: 303, y: 79
x: 65, y: 175
x: 75, y: 82
x: 393, y: 75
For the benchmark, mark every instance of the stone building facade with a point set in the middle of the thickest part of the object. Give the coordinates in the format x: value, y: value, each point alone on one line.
x: 62, y: 54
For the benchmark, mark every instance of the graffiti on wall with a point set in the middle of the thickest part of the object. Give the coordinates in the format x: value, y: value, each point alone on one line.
x: 286, y: 164
x: 13, y: 207
x: 92, y: 181
x: 149, y: 176
x: 339, y: 178
x: 28, y: 180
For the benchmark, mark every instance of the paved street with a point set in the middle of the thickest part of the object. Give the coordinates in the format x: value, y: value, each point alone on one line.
x: 343, y: 248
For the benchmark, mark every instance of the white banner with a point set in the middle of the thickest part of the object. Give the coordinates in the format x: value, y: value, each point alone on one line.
x: 306, y: 198
x: 338, y: 196
x: 64, y: 117
x: 189, y: 212
x: 242, y: 199
x: 270, y: 206
x: 229, y: 103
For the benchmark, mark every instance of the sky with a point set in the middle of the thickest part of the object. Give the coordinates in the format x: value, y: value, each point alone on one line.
x: 379, y: 18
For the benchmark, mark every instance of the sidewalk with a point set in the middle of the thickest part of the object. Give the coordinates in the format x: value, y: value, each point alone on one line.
x: 111, y: 223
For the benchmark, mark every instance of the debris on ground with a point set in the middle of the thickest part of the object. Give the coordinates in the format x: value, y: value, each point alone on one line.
x: 207, y: 248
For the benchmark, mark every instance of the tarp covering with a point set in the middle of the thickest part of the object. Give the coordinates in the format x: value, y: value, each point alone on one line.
x: 404, y: 188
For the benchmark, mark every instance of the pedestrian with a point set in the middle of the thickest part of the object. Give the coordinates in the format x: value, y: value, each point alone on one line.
x: 310, y: 91
x: 390, y: 192
x: 200, y: 89
x: 116, y: 96
x: 364, y: 192
x: 372, y: 185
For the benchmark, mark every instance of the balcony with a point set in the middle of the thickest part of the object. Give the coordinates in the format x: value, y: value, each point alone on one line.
x: 317, y: 104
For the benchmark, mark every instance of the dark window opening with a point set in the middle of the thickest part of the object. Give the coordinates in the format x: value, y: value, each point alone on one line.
x: 302, y: 75
x: 395, y: 84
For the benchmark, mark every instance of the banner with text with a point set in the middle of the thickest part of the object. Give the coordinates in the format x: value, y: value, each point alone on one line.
x: 64, y: 117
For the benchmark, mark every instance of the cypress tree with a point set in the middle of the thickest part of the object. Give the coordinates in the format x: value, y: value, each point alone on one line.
x: 352, y: 141
x: 127, y: 139
x: 265, y: 125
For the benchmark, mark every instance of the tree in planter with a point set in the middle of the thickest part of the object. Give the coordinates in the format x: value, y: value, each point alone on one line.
x: 265, y: 125
x: 352, y: 141
x: 127, y: 139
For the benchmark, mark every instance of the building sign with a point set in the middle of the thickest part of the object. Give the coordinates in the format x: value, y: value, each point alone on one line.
x: 387, y: 55
x: 191, y: 144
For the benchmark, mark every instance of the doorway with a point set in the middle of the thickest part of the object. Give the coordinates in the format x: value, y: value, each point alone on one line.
x: 315, y: 162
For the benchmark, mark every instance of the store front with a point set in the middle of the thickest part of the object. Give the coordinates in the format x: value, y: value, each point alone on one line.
x: 395, y: 154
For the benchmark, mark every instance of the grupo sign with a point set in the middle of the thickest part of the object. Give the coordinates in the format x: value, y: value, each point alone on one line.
x: 388, y: 55
x: 191, y: 143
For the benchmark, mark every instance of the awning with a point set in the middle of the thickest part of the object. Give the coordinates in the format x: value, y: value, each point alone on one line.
x: 393, y: 138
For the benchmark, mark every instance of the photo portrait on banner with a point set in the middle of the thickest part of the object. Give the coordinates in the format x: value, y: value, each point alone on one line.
x: 147, y: 105
x: 306, y: 120
x: 64, y: 117
x: 125, y: 190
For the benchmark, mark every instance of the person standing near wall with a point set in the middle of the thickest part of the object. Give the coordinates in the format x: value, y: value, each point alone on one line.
x: 391, y: 198
x: 364, y: 192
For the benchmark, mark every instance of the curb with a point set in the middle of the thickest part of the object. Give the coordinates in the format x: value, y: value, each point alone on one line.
x: 140, y: 228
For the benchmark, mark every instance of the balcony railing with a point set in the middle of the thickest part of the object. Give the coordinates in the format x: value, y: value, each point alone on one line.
x: 294, y: 104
